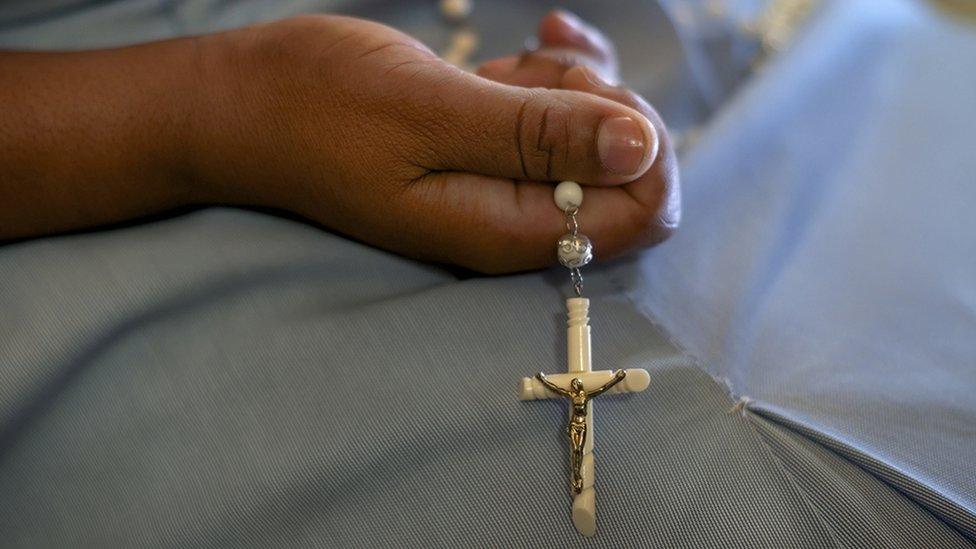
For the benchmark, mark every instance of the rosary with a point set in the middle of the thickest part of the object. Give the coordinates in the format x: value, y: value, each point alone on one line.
x: 580, y: 384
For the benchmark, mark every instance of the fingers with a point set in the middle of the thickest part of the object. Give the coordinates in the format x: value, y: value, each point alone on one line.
x: 497, y: 225
x: 496, y: 69
x: 532, y: 69
x: 561, y: 29
x: 487, y: 224
x: 657, y: 191
x: 474, y: 125
x: 565, y: 41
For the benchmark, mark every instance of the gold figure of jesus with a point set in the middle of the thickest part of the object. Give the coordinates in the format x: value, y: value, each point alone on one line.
x: 573, y: 385
x: 579, y: 399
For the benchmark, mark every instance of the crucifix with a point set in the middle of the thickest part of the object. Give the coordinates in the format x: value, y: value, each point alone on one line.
x: 580, y: 384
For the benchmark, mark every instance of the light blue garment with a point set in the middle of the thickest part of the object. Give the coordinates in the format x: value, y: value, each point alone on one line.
x: 227, y: 378
x: 827, y: 264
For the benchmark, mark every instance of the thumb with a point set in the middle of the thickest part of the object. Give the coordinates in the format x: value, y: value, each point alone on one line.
x: 472, y: 124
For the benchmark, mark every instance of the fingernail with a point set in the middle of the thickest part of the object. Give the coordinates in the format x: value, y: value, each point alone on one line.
x: 593, y: 78
x: 570, y: 18
x: 621, y: 144
x: 577, y: 28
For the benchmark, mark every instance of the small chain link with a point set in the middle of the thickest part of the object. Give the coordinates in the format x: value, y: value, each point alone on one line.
x: 572, y: 224
x: 577, y: 278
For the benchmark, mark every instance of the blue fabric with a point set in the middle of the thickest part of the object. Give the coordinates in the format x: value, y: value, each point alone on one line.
x: 231, y: 379
x: 825, y: 266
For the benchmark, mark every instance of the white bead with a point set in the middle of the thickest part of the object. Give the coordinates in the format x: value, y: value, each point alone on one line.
x: 568, y: 195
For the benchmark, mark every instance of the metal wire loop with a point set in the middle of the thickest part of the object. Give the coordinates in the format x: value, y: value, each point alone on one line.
x: 577, y: 278
x: 572, y: 224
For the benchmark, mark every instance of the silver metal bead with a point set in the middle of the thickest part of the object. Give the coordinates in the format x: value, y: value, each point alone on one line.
x: 574, y: 251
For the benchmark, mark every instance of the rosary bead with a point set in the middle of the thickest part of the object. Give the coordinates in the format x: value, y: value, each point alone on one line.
x: 568, y: 195
x: 456, y: 10
x: 574, y: 251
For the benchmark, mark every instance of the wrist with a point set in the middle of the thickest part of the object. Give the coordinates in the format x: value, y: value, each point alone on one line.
x: 205, y: 110
x: 243, y: 132
x: 166, y: 106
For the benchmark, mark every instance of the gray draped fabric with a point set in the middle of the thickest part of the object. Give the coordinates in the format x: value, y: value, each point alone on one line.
x: 227, y: 378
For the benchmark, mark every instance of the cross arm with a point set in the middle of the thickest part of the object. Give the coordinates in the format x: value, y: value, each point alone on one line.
x: 636, y: 380
x: 617, y: 378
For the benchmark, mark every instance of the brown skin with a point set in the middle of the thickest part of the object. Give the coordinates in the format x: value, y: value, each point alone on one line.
x: 348, y: 123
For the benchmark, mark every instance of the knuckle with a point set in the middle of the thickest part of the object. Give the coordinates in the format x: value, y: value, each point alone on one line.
x: 642, y: 222
x: 656, y: 222
x: 644, y: 229
x: 542, y: 137
x: 655, y: 230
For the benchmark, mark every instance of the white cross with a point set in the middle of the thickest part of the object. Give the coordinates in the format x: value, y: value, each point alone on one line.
x: 533, y: 388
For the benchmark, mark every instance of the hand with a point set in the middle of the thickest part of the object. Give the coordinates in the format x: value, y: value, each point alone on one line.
x: 573, y: 55
x: 346, y: 122
x: 361, y: 128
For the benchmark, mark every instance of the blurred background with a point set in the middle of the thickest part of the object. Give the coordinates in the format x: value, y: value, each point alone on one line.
x: 685, y: 56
